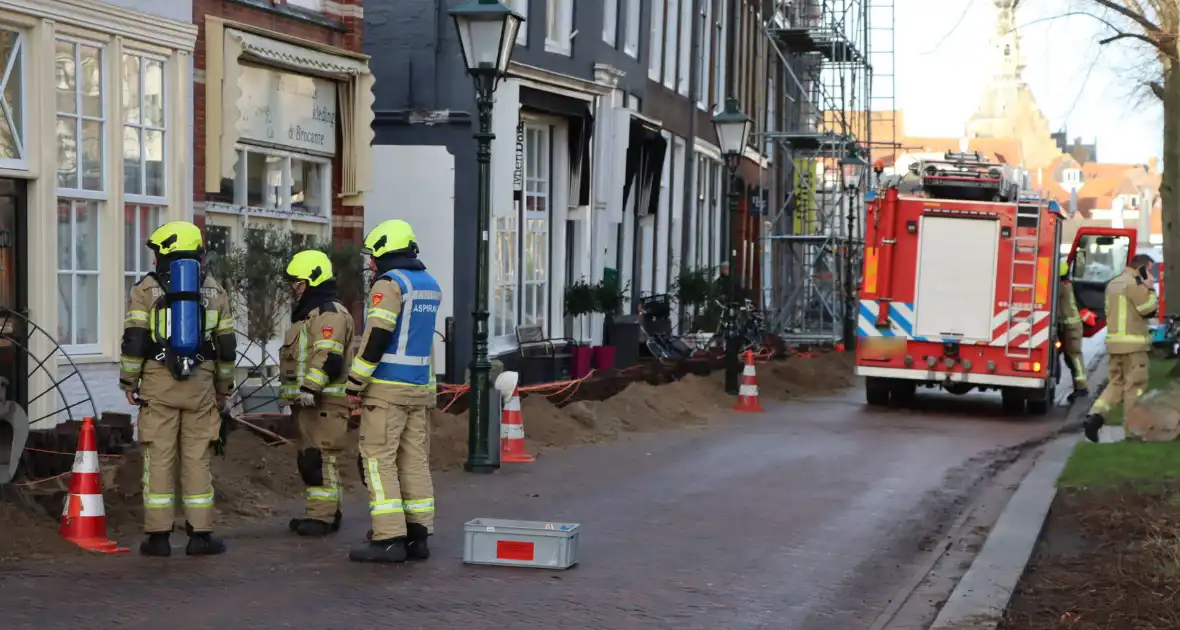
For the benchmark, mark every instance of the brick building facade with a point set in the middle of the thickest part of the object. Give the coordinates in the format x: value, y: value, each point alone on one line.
x: 322, y: 28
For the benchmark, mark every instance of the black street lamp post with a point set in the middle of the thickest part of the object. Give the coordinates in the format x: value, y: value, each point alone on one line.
x: 733, y: 133
x: 852, y: 168
x: 487, y: 33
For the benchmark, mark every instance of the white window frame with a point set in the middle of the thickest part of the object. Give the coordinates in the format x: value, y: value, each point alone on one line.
x: 703, y: 70
x: 79, y: 194
x: 521, y: 7
x: 685, y: 61
x: 559, y: 26
x: 720, y: 29
x: 20, y: 163
x: 631, y: 25
x: 143, y: 263
x: 73, y: 272
x: 655, y: 41
x: 610, y: 22
x: 79, y: 118
x: 671, y: 39
x: 145, y: 199
x: 531, y: 221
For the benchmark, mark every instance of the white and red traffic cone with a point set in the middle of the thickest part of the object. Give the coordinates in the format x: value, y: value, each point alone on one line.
x: 83, y: 518
x: 748, y: 388
x: 512, y: 448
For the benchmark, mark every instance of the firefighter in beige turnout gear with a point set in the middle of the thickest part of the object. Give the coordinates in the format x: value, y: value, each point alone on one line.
x: 313, y: 363
x: 393, y: 380
x: 179, y: 412
x: 1130, y: 301
x: 1070, y: 332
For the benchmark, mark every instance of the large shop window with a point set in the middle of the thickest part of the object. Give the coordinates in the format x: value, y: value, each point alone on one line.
x: 13, y: 151
x: 274, y: 180
x: 278, y: 93
x: 520, y: 286
x: 81, y: 190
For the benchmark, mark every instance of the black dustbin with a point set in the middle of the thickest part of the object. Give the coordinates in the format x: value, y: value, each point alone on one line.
x: 622, y: 333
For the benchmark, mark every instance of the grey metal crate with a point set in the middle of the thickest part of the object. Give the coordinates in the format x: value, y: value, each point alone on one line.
x: 520, y: 543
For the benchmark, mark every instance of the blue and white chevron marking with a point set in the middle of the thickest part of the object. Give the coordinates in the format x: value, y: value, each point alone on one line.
x: 901, y: 322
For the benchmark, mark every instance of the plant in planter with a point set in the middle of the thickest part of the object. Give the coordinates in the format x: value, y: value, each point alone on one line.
x: 609, y: 299
x: 581, y: 301
x: 693, y: 290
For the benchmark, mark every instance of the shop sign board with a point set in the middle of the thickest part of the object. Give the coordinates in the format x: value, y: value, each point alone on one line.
x: 287, y: 110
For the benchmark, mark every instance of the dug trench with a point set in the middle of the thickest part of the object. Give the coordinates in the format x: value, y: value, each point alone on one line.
x: 257, y: 480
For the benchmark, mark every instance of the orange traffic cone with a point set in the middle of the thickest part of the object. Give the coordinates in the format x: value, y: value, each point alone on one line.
x: 748, y: 388
x: 512, y: 433
x: 83, y: 518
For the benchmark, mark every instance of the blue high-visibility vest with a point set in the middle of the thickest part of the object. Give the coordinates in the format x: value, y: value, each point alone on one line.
x: 407, y: 358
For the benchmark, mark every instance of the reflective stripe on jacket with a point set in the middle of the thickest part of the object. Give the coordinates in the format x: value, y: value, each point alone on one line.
x: 406, y: 360
x: 1129, y: 301
x: 1067, y: 311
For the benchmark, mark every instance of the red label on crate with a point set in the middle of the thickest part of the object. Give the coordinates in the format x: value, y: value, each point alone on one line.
x: 514, y: 550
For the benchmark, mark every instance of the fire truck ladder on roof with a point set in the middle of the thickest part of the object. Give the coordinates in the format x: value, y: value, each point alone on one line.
x: 1021, y: 294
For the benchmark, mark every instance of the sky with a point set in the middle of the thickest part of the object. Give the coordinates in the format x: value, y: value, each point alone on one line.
x: 943, y: 60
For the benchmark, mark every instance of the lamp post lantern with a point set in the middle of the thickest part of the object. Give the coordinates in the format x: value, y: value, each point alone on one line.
x: 487, y: 33
x: 852, y: 168
x: 733, y: 133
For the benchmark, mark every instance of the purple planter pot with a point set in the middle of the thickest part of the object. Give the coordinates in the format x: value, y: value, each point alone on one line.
x: 604, y: 357
x: 583, y: 359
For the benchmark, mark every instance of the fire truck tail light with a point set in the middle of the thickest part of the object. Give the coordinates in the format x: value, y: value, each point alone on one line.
x: 932, y: 361
x: 909, y: 360
x: 966, y: 364
x: 948, y: 363
x: 991, y: 366
x: 1027, y: 366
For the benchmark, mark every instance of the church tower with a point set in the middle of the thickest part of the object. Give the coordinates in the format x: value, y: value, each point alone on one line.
x: 1007, y: 108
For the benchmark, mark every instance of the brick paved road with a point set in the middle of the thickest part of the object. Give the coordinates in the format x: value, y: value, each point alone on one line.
x: 806, y: 517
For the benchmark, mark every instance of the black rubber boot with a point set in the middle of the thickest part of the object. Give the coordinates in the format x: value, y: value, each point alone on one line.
x: 299, y: 521
x: 156, y: 544
x: 1090, y: 426
x: 314, y: 529
x: 369, y: 535
x: 416, y: 536
x: 1080, y: 392
x: 387, y: 551
x: 204, y: 544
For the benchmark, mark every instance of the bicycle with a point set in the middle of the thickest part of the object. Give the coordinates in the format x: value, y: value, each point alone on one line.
x: 751, y: 328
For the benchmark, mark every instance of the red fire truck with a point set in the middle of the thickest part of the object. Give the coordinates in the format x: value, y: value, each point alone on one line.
x: 959, y: 284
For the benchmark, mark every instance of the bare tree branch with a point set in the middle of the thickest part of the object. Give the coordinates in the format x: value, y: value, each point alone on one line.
x: 1118, y: 36
x: 1156, y: 88
x: 1137, y: 18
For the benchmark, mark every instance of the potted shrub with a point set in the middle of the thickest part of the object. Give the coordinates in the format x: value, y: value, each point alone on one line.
x: 609, y: 299
x: 581, y: 302
x: 694, y: 290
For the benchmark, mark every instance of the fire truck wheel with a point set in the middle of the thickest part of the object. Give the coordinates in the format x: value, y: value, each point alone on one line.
x: 1013, y: 400
x: 903, y: 393
x: 877, y: 391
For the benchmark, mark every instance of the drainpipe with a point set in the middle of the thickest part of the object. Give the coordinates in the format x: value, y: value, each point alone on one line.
x: 690, y: 154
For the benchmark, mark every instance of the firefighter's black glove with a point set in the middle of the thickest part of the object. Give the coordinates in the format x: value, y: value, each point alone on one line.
x: 223, y: 433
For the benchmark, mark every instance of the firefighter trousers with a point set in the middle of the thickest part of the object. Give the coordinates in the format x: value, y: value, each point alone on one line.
x: 1128, y: 381
x: 1071, y: 348
x: 167, y: 434
x: 395, y: 450
x: 322, y: 432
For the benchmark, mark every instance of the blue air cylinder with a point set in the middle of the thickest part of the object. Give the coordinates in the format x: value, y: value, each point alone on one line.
x: 185, y: 313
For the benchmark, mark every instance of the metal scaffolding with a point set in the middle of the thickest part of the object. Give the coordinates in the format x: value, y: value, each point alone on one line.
x: 828, y: 49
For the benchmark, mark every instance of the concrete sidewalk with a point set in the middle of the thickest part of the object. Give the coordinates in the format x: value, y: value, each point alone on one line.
x: 982, y: 595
